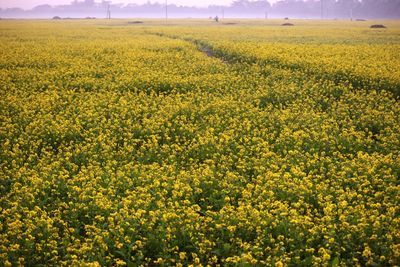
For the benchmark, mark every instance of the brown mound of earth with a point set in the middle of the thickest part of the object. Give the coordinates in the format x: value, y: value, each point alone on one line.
x: 135, y: 22
x: 378, y: 26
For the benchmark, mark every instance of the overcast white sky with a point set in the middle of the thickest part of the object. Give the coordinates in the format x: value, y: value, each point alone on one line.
x: 27, y: 4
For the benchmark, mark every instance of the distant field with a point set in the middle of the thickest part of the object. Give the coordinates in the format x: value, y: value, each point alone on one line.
x: 239, y: 143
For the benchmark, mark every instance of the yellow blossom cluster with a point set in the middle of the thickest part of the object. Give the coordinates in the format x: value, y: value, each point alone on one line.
x: 208, y: 145
x: 344, y: 53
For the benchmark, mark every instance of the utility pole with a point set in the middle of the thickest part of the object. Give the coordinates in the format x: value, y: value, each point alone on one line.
x: 166, y: 11
x: 266, y: 9
x: 322, y: 9
x: 108, y: 12
x: 351, y: 14
x: 223, y: 13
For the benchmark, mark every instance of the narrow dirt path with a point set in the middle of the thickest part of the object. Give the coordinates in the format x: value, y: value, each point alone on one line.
x: 357, y: 83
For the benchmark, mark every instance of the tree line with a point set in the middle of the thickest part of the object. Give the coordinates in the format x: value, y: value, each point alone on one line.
x: 327, y: 9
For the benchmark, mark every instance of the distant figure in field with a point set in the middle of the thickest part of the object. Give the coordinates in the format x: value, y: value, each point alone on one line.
x: 216, y: 19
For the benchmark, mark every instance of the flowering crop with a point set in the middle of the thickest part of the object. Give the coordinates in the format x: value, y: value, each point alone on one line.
x: 128, y: 145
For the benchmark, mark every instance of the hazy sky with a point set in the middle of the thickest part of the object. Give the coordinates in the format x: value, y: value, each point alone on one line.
x: 27, y: 4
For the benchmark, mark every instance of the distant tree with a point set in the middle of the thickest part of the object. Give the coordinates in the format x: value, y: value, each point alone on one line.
x: 43, y: 8
x: 89, y: 3
x: 291, y: 8
x: 367, y: 9
x: 240, y: 3
x: 255, y: 7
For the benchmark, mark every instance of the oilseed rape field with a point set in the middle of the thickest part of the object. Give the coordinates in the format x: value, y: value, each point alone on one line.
x: 199, y: 144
